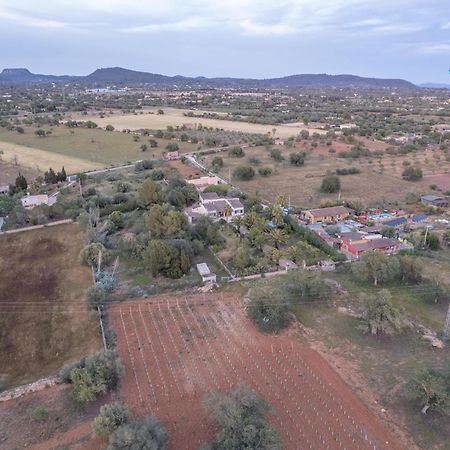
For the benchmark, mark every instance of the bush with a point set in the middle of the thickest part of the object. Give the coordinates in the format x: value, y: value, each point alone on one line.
x: 111, y: 417
x: 412, y: 173
x: 265, y: 171
x: 244, y: 173
x: 349, y: 171
x: 95, y: 296
x: 276, y: 155
x: 240, y: 414
x: 236, y: 152
x: 39, y: 413
x: 95, y: 375
x: 142, y: 434
x: 269, y: 316
x: 297, y: 159
x: 330, y: 184
x: 89, y: 255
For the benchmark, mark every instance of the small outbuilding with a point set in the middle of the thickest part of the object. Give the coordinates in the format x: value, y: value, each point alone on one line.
x: 434, y: 200
x: 206, y: 274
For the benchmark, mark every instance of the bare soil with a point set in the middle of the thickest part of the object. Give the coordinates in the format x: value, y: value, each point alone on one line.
x: 44, y: 322
x: 176, y: 349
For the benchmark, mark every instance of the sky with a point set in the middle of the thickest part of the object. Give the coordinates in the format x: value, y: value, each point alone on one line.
x: 406, y: 39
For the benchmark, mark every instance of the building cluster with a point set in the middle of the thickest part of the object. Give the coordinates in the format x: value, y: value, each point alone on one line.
x: 211, y: 205
x: 355, y: 234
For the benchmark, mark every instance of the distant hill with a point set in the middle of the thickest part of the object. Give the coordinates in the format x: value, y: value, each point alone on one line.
x: 435, y: 85
x: 121, y: 76
x: 22, y: 75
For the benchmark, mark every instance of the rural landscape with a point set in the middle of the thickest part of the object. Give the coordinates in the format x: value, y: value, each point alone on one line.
x: 222, y: 263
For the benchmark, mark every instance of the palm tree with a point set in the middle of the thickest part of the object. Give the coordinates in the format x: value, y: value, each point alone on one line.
x: 294, y: 252
x: 279, y: 237
x: 276, y: 255
x: 238, y: 222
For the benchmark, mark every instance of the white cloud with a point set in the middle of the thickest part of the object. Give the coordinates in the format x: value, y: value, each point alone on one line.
x: 29, y: 20
x: 435, y: 48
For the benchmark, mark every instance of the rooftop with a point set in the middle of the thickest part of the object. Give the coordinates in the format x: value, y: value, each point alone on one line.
x: 330, y: 211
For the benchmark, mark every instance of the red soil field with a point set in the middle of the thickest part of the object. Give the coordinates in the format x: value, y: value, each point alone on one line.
x: 175, y: 349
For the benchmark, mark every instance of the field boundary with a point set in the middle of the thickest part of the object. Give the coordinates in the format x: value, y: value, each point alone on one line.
x: 37, y: 227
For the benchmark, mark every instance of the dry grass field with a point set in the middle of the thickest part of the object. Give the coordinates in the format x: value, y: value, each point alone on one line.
x: 379, y: 179
x: 84, y: 149
x: 175, y: 117
x: 44, y: 322
x: 9, y: 172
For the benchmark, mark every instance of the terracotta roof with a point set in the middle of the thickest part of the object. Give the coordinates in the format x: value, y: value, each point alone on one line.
x: 330, y: 211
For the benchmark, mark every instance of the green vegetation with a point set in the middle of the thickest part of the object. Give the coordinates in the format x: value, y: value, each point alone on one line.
x: 330, y: 184
x: 142, y: 434
x: 244, y: 173
x: 111, y: 416
x: 240, y: 415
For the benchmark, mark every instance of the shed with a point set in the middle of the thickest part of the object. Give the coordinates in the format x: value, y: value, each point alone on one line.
x: 206, y: 274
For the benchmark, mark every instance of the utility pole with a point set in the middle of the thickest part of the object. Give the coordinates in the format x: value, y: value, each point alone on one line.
x: 425, y: 237
x: 447, y: 324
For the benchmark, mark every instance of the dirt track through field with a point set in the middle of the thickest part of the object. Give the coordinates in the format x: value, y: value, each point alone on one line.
x: 177, y: 349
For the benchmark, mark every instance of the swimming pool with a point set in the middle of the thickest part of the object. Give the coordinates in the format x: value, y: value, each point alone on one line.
x: 381, y: 216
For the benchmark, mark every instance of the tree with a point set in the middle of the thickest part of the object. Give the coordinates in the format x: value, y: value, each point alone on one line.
x: 381, y: 316
x: 116, y: 218
x: 149, y: 193
x: 50, y: 177
x: 112, y: 416
x: 279, y: 237
x: 40, y: 132
x: 95, y: 296
x: 236, y: 152
x: 242, y: 258
x: 140, y: 434
x: 376, y: 267
x: 163, y: 257
x: 166, y: 222
x: 432, y: 241
x: 109, y: 128
x: 269, y: 315
x: 244, y: 173
x: 330, y: 184
x: 297, y: 159
x: 240, y: 416
x: 61, y: 176
x: 172, y: 147
x: 20, y: 130
x: 411, y: 269
x: 21, y: 183
x: 217, y: 163
x: 432, y: 389
x: 412, y: 173
x: 303, y: 286
x: 153, y: 143
x: 144, y: 148
x: 89, y: 254
x: 276, y: 155
x: 94, y: 375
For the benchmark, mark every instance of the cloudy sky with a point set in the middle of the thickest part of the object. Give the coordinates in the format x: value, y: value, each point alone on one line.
x: 247, y: 38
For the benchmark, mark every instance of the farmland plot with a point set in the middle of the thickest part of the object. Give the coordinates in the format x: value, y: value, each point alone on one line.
x: 177, y: 349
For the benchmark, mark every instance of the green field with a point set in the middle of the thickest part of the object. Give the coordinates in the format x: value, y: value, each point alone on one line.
x: 96, y: 147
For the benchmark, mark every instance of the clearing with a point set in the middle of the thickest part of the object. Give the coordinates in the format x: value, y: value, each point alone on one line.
x: 175, y: 349
x: 44, y: 322
x: 9, y: 172
x: 175, y: 117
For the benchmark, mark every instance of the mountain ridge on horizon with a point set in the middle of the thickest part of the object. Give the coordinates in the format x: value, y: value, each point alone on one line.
x: 123, y: 76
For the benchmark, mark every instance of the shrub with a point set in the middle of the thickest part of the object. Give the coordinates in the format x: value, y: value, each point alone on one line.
x: 95, y: 375
x: 269, y: 316
x: 89, y: 255
x: 95, y: 296
x: 276, y: 155
x: 111, y: 417
x: 236, y: 152
x: 330, y: 184
x: 297, y: 159
x: 412, y: 173
x: 244, y: 173
x: 142, y: 434
x: 240, y: 414
x: 265, y: 171
x: 39, y: 413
